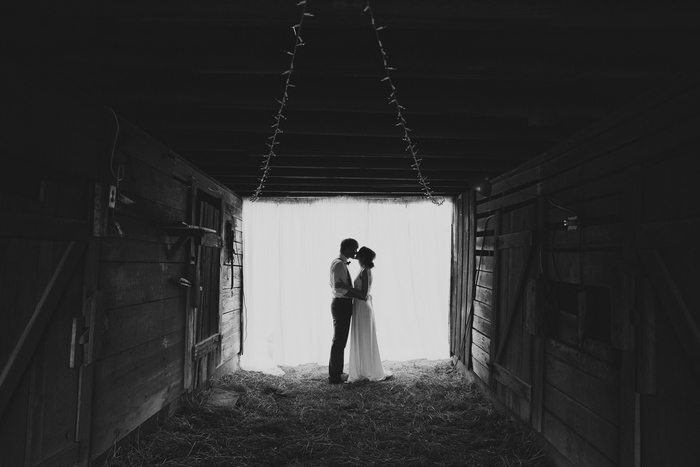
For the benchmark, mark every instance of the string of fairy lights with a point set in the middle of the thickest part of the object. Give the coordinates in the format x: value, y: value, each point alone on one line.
x: 400, y: 117
x: 411, y: 147
x: 276, y: 130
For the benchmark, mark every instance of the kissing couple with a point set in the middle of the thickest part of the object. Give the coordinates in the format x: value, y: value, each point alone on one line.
x: 352, y: 310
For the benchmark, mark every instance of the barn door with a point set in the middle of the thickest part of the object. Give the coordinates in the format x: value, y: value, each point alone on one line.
x: 47, y: 287
x: 510, y: 344
x: 204, y: 336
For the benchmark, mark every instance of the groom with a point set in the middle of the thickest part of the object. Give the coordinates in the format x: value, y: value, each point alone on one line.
x: 341, y: 308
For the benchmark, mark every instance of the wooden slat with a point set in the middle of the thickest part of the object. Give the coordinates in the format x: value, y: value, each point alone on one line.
x: 514, y: 304
x: 480, y: 362
x: 144, y: 182
x: 207, y: 345
x: 135, y: 142
x: 132, y: 386
x: 134, y: 325
x: 590, y: 391
x: 484, y: 263
x: 484, y: 296
x: 623, y: 155
x: 600, y: 433
x: 512, y: 381
x: 136, y: 283
x: 480, y: 340
x: 683, y: 232
x: 596, y: 266
x: 21, y: 225
x: 599, y: 236
x: 231, y: 332
x: 231, y: 299
x: 65, y: 456
x: 515, y: 240
x: 29, y: 339
x: 676, y: 307
x: 482, y: 325
x: 137, y: 249
x: 579, y: 452
x: 583, y: 362
x: 637, y: 110
x: 483, y: 310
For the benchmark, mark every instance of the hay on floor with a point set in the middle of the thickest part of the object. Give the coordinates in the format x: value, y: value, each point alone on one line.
x: 425, y: 415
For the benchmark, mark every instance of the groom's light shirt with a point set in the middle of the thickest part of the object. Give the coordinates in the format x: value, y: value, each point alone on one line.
x: 339, y: 272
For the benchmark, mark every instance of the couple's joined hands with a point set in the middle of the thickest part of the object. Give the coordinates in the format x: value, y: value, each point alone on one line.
x: 358, y: 293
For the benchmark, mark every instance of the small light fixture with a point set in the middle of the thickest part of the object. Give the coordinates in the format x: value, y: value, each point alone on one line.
x: 483, y: 187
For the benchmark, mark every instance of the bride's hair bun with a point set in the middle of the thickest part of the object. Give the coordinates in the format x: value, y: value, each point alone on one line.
x: 367, y: 256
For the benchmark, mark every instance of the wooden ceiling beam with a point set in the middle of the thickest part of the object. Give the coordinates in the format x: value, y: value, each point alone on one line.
x: 453, y: 165
x: 215, y: 146
x: 346, y: 173
x: 265, y: 44
x: 470, y: 67
x: 410, y: 14
x: 340, y: 186
x: 357, y: 125
x: 418, y: 96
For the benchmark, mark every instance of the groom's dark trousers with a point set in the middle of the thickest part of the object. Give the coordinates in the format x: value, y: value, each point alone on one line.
x: 341, y: 308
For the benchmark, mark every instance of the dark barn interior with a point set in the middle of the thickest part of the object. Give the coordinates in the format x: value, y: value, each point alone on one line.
x: 564, y: 132
x: 486, y: 86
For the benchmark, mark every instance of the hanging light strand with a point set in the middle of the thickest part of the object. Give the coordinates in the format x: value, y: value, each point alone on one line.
x: 276, y: 130
x: 400, y: 118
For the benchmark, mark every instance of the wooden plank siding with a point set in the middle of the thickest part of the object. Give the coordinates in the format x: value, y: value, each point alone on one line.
x: 463, y: 289
x: 145, y: 301
x: 575, y: 347
x: 113, y: 355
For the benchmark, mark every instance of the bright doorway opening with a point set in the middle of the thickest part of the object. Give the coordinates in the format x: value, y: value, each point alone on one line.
x: 288, y: 245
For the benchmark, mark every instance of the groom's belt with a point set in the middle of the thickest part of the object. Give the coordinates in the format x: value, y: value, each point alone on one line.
x: 342, y: 298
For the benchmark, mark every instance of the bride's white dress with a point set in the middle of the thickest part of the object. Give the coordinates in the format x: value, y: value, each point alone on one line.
x: 365, y: 361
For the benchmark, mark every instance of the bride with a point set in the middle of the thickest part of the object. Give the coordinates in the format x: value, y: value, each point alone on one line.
x: 365, y: 361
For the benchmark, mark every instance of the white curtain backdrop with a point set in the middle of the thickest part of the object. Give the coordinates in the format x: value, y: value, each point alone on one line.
x: 288, y: 246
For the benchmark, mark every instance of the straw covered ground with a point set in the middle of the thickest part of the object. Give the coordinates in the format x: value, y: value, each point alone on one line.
x: 425, y: 415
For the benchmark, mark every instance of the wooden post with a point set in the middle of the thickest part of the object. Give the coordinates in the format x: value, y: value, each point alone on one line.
x: 471, y: 275
x: 454, y: 281
x: 495, y: 335
x: 190, y: 306
x: 93, y: 314
x: 623, y: 308
x: 536, y: 312
x: 646, y: 371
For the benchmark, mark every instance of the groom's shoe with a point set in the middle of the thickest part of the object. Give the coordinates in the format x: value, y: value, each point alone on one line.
x: 335, y: 379
x: 343, y: 378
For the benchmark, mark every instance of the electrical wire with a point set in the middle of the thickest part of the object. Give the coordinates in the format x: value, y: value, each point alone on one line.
x: 119, y: 175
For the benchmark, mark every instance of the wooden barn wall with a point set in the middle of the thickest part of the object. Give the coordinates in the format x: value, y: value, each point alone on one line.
x: 461, y: 312
x: 585, y: 322
x: 100, y: 316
